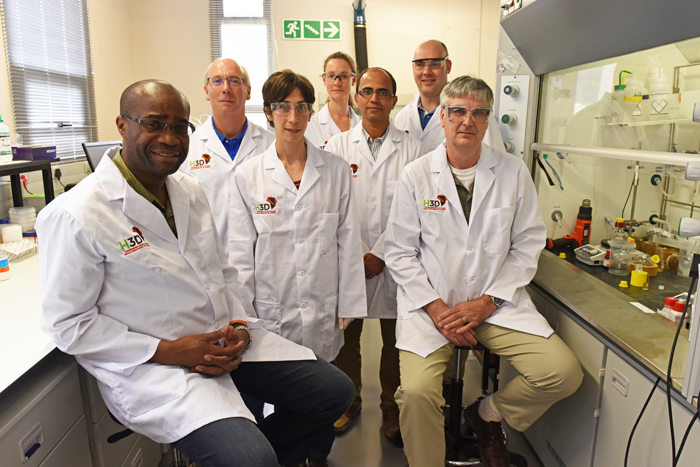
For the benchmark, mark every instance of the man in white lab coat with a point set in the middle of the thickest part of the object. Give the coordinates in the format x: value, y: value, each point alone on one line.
x: 377, y: 152
x: 462, y: 242
x: 226, y: 139
x: 137, y: 286
x: 421, y: 117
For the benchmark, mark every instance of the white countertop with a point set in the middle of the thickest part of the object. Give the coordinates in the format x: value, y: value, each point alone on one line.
x: 22, y: 342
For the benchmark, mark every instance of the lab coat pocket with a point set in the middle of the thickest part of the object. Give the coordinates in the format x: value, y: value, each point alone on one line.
x: 330, y: 316
x: 328, y: 233
x: 208, y: 249
x: 270, y: 314
x: 496, y: 229
x: 150, y: 386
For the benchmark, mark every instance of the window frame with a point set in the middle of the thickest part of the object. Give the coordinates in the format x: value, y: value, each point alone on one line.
x: 24, y: 76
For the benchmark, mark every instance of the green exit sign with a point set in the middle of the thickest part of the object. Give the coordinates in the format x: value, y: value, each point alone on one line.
x: 311, y: 29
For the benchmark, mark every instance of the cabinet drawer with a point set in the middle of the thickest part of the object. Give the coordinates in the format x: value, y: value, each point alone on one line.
x: 111, y: 455
x: 73, y: 449
x: 35, y: 416
x: 145, y: 453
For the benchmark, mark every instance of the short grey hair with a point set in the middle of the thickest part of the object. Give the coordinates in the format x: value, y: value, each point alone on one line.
x: 246, y: 76
x: 467, y: 85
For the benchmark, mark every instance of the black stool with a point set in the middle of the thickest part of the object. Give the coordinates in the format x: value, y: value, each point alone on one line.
x: 463, y: 448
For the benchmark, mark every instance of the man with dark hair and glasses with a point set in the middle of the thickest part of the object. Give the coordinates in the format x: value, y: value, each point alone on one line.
x: 421, y: 118
x: 137, y: 286
x: 462, y: 242
x: 226, y: 139
x: 376, y: 151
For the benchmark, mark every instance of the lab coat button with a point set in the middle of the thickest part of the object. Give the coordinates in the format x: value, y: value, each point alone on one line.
x: 302, y: 273
x: 301, y: 240
x: 374, y: 205
x: 298, y: 208
x: 464, y: 280
x: 469, y: 249
x: 375, y: 232
x: 206, y: 285
x: 303, y: 305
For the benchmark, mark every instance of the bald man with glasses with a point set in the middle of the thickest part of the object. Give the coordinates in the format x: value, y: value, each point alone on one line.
x: 421, y: 117
x: 226, y: 139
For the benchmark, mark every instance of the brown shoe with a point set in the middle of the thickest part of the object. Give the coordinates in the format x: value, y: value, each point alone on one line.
x: 492, y: 442
x: 318, y: 463
x: 343, y: 423
x: 390, y: 425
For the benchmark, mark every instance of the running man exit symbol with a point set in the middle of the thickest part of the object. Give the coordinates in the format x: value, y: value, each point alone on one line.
x: 292, y: 29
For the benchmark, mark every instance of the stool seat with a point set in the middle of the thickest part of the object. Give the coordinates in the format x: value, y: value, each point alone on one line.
x: 462, y: 445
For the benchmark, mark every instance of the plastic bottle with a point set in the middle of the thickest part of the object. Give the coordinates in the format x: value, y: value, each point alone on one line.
x: 619, y: 232
x: 5, y: 143
x: 618, y: 98
x: 677, y: 311
x: 668, y: 307
x: 659, y: 94
x: 636, y: 101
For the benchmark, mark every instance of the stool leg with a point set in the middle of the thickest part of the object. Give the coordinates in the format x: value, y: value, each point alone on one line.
x: 456, y: 395
x: 485, y: 371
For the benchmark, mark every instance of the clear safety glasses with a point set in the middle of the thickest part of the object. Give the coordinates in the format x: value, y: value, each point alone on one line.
x: 430, y: 63
x: 156, y: 126
x: 234, y: 82
x: 367, y: 93
x: 285, y: 108
x: 342, y: 76
x: 458, y: 113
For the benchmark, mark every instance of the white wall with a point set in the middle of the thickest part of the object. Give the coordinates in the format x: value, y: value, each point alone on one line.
x: 469, y: 28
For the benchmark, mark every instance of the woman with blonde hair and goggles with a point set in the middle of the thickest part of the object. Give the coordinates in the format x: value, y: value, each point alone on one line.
x: 338, y: 115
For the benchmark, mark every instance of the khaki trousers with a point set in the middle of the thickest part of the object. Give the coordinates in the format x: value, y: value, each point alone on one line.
x: 549, y: 372
x: 350, y: 361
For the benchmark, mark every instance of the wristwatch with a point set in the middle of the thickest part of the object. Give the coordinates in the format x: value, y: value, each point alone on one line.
x: 496, y: 301
x: 240, y: 327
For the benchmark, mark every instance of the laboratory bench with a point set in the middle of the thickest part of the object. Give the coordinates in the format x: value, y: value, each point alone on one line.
x: 622, y: 349
x: 51, y: 411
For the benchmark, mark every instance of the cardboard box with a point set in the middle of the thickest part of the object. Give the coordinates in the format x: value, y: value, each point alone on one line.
x: 43, y: 152
x: 22, y: 153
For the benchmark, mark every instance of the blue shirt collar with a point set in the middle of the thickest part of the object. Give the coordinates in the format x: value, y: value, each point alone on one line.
x: 424, y: 115
x: 232, y: 145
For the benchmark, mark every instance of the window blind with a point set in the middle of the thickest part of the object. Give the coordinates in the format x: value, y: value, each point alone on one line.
x: 47, y: 46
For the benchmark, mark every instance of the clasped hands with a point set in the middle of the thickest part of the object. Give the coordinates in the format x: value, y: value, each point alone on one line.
x: 201, y: 353
x: 457, y: 323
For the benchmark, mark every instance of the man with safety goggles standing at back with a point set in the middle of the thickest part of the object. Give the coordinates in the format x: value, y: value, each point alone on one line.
x: 226, y: 139
x: 462, y: 242
x: 421, y: 117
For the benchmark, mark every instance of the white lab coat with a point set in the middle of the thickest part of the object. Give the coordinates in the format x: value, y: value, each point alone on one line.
x: 213, y: 174
x: 110, y: 304
x: 298, y: 252
x: 322, y: 128
x: 408, y: 120
x: 433, y: 253
x: 374, y: 183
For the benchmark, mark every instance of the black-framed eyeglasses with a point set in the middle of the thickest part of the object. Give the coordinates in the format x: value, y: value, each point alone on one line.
x: 285, y: 108
x: 367, y: 92
x: 340, y: 76
x: 234, y: 81
x: 458, y: 113
x: 430, y: 63
x: 156, y: 126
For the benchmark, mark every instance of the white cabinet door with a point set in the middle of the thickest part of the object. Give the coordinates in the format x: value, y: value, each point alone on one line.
x: 651, y: 445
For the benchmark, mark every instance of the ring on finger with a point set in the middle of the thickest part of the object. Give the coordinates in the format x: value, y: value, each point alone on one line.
x: 464, y: 320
